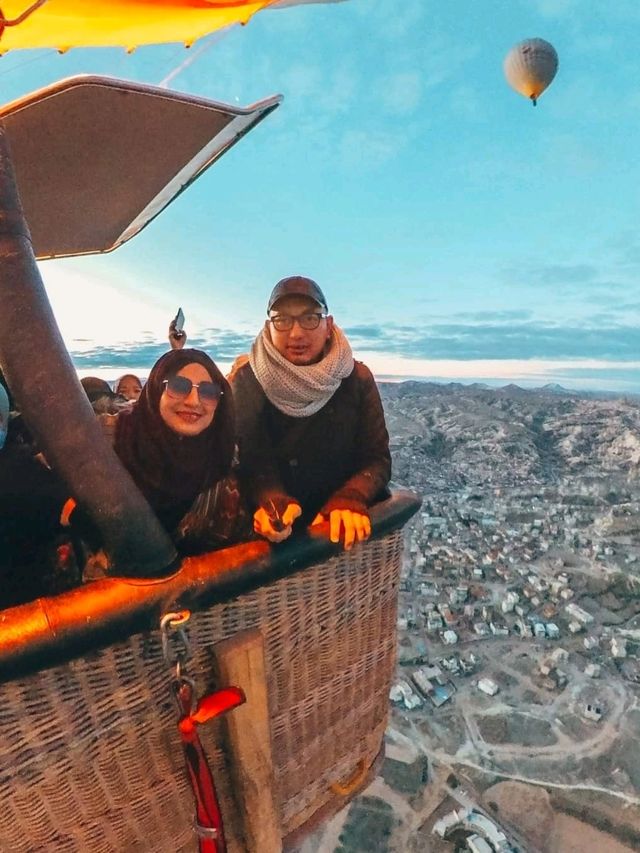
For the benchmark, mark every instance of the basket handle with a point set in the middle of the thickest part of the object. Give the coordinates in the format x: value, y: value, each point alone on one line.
x: 344, y: 789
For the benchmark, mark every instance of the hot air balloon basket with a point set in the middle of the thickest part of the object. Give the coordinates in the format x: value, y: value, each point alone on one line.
x: 90, y: 757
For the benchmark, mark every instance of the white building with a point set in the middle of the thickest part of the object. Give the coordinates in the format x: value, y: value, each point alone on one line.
x: 553, y: 632
x: 488, y: 686
x: 509, y: 602
x: 446, y: 823
x: 402, y: 692
x: 450, y: 638
x: 618, y: 647
x: 592, y: 712
x: 477, y: 844
x: 578, y: 614
x: 559, y: 655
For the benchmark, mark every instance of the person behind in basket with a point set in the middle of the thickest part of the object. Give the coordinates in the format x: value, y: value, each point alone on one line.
x: 313, y: 445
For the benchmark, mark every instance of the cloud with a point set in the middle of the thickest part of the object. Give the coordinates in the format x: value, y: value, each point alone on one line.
x: 626, y: 249
x: 554, y: 274
x: 597, y: 372
x: 497, y: 316
x: 465, y: 102
x: 401, y: 93
x: 593, y: 375
x: 502, y: 350
x: 590, y: 282
x: 498, y: 335
x: 391, y: 19
x: 221, y: 344
x: 370, y: 148
x: 572, y: 155
x: 499, y: 341
x: 555, y: 8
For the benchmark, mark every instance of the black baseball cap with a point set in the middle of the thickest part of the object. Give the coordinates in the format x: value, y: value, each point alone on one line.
x: 297, y: 285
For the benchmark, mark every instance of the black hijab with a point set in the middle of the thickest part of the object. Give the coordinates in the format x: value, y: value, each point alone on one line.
x: 171, y: 470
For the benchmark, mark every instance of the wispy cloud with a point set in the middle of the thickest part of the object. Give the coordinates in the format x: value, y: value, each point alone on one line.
x: 554, y: 274
x: 507, y: 316
x: 393, y: 20
x: 221, y: 344
x: 362, y: 149
x: 499, y: 341
x: 555, y: 8
x: 401, y: 93
x: 593, y: 283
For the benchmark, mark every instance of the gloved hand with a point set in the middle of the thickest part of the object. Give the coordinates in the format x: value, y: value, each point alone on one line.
x: 355, y: 525
x: 265, y: 524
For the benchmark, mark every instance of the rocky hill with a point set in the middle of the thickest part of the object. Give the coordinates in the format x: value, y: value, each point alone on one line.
x: 474, y: 435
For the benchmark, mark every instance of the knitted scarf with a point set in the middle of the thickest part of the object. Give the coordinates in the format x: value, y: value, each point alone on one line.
x: 300, y: 390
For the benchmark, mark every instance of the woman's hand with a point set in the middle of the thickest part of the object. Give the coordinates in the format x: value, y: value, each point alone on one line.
x: 356, y: 526
x: 177, y: 340
x: 276, y: 529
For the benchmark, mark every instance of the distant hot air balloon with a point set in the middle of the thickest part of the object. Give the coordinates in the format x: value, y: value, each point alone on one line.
x: 530, y: 66
x: 63, y: 24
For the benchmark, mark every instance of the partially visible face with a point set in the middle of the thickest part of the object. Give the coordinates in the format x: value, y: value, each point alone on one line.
x: 300, y: 346
x: 129, y: 387
x: 191, y: 415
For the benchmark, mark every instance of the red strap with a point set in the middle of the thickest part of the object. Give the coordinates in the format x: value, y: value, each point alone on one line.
x: 212, y: 706
x: 208, y: 814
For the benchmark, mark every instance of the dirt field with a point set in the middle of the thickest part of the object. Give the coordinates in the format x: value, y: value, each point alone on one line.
x: 516, y: 728
x: 530, y: 809
x: 525, y: 806
x: 572, y: 836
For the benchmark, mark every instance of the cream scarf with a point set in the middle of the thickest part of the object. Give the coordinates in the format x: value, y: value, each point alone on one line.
x: 300, y: 390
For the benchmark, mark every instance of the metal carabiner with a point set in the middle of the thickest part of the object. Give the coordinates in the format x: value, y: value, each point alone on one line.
x: 173, y: 624
x: 184, y: 692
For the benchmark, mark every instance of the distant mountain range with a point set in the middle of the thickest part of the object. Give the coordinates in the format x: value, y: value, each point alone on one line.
x: 476, y: 434
x: 513, y: 389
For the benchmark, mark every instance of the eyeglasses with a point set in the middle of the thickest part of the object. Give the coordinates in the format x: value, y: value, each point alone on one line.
x: 308, y: 322
x: 179, y: 387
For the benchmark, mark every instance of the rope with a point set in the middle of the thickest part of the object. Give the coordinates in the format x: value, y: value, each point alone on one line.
x: 12, y: 22
x: 206, y: 45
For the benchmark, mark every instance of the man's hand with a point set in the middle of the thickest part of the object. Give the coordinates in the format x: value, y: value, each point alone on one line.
x: 263, y: 523
x: 176, y: 339
x: 356, y: 526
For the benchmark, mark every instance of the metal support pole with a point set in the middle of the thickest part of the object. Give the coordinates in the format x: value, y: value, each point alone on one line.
x: 43, y: 380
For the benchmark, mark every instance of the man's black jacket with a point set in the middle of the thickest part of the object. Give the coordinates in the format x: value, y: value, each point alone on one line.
x: 337, y: 458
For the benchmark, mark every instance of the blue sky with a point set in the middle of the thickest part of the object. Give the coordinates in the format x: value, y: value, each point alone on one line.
x: 458, y: 232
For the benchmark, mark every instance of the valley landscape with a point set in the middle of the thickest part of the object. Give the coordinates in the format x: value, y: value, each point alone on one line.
x: 516, y: 698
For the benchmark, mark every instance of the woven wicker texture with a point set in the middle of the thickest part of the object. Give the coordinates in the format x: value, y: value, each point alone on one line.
x: 89, y: 753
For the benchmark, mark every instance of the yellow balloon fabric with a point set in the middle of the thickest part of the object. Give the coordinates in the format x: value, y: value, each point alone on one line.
x: 63, y: 24
x: 530, y: 67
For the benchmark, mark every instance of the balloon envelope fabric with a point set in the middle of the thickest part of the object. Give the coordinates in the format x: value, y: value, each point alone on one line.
x: 63, y: 24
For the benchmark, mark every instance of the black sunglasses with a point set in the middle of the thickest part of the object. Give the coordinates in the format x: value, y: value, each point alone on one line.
x: 179, y: 387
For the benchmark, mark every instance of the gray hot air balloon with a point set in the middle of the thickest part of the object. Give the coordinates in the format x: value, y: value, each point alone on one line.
x: 530, y: 66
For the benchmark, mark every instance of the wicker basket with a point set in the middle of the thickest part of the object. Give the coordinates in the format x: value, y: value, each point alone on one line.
x: 89, y: 754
